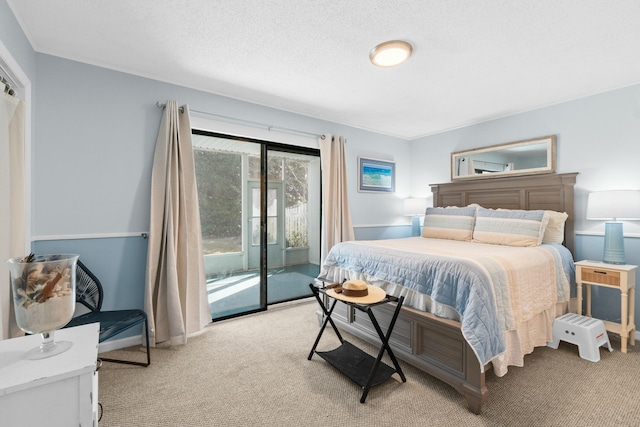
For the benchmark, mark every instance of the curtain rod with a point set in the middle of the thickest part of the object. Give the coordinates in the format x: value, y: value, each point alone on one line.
x: 249, y: 122
x: 6, y: 81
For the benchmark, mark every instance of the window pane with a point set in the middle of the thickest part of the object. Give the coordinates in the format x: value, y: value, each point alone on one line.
x: 272, y: 202
x: 274, y: 168
x: 235, y: 255
x: 255, y: 203
x: 219, y: 181
x: 274, y: 165
x: 297, y: 193
x: 272, y: 230
x: 255, y: 231
x: 254, y: 168
x: 293, y: 261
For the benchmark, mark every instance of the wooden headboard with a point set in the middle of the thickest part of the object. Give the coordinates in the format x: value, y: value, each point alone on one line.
x: 551, y: 192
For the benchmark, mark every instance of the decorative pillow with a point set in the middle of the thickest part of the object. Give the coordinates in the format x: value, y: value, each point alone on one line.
x: 452, y: 223
x: 554, y: 232
x: 509, y: 227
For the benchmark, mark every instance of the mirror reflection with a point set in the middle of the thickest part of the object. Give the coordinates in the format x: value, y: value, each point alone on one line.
x: 527, y: 157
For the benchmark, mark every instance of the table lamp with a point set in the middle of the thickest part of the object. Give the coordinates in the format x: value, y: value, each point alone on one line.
x: 415, y: 207
x: 613, y: 205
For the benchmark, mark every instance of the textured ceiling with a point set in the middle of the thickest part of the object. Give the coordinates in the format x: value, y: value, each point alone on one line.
x: 473, y: 60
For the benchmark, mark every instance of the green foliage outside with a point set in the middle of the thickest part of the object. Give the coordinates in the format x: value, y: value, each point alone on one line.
x: 219, y: 177
x: 220, y: 187
x: 297, y: 238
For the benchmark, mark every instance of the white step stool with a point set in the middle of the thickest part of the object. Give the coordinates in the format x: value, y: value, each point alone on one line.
x: 587, y: 333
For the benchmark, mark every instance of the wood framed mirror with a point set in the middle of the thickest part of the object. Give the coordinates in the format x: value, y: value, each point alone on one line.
x: 527, y: 157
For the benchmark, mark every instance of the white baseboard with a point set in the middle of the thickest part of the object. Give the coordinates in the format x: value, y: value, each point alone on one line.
x: 118, y: 344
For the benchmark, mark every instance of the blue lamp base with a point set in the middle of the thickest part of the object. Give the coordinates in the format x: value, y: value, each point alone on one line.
x: 415, y: 226
x: 613, y: 243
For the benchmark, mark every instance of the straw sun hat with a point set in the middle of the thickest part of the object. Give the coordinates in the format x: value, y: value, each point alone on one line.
x: 357, y: 291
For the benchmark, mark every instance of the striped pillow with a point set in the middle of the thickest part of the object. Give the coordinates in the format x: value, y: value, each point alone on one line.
x: 509, y: 227
x: 452, y: 223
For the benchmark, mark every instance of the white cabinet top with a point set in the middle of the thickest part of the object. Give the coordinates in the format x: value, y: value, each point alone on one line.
x: 606, y: 266
x: 17, y: 373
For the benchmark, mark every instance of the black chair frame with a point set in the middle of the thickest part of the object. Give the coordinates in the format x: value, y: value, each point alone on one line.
x: 89, y: 293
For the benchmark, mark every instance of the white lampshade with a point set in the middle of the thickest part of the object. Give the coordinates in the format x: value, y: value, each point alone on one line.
x: 414, y: 206
x: 614, y: 204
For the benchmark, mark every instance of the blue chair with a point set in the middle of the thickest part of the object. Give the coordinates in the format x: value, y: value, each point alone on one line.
x: 89, y: 294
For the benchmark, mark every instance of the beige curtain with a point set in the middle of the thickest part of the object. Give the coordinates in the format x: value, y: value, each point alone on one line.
x: 175, y: 296
x: 336, y: 216
x: 12, y: 205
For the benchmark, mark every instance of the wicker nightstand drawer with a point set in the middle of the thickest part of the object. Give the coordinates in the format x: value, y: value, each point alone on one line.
x: 601, y: 276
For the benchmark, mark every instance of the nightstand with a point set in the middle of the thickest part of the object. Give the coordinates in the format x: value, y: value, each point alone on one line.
x: 616, y: 276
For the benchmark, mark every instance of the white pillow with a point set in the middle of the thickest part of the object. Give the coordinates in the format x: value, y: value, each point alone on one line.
x: 554, y: 233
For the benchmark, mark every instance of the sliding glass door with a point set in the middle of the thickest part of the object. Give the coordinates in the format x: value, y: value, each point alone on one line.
x: 295, y: 261
x: 260, y: 216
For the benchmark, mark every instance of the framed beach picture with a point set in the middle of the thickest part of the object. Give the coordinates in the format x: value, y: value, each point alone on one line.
x: 376, y: 175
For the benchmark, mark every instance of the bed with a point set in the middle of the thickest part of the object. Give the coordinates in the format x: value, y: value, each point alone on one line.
x: 472, y: 278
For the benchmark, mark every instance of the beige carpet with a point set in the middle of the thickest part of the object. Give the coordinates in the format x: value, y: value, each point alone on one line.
x: 253, y: 371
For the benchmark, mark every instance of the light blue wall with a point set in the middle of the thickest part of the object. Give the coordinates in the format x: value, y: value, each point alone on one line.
x: 597, y: 136
x: 377, y: 233
x: 98, y: 131
x: 118, y: 263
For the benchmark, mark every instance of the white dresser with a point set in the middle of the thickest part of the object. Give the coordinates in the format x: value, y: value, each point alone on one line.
x: 61, y: 390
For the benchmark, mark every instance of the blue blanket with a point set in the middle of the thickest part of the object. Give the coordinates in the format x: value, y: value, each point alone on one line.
x: 471, y: 287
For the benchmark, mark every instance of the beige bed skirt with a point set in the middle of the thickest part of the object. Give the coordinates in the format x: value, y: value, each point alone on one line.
x: 520, y: 341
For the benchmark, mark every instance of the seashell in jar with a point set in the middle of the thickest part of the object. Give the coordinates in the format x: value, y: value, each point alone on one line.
x: 33, y: 277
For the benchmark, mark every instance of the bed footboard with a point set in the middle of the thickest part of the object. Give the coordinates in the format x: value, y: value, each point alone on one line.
x: 432, y: 344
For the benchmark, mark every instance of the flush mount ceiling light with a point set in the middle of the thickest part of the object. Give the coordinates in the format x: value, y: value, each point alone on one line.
x: 390, y: 54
